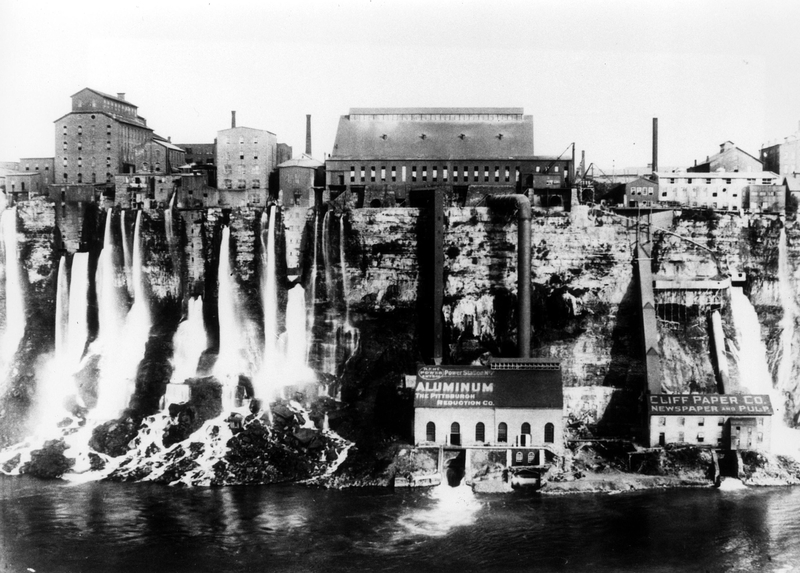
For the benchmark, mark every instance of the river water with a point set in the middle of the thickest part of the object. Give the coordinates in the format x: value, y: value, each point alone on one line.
x: 108, y: 527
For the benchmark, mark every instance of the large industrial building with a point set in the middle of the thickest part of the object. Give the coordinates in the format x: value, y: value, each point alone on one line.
x: 382, y: 156
x: 246, y: 157
x: 97, y: 139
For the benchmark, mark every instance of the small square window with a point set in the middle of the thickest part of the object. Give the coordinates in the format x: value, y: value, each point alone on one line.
x: 701, y: 421
x: 662, y: 421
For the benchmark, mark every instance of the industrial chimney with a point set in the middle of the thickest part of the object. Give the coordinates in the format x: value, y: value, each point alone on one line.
x: 655, y: 144
x: 233, y: 119
x: 308, y: 135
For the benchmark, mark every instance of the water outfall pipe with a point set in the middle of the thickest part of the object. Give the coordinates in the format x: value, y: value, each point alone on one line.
x: 523, y: 206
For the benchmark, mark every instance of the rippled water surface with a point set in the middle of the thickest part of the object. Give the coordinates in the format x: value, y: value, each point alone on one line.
x: 107, y: 527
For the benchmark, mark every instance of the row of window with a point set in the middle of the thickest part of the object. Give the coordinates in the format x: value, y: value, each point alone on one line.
x: 28, y: 167
x: 391, y: 174
x: 228, y: 169
x: 241, y: 184
x: 80, y: 145
x: 480, y: 432
x: 80, y: 129
x: 701, y: 421
x: 727, y: 180
x: 80, y: 161
x: 701, y: 438
x: 109, y: 178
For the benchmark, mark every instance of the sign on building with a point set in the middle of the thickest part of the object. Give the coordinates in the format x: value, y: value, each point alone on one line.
x: 710, y: 405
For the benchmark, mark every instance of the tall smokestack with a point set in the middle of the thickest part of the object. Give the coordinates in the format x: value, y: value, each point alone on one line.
x: 655, y: 144
x: 308, y: 135
x: 233, y: 119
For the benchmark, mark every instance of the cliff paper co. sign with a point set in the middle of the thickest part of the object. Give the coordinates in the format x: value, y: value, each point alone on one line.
x: 711, y: 404
x: 479, y: 387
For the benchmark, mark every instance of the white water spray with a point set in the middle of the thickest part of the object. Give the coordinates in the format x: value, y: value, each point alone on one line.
x: 296, y: 368
x: 15, y: 301
x: 126, y: 253
x: 78, y: 328
x: 121, y: 349
x: 269, y: 300
x: 189, y: 342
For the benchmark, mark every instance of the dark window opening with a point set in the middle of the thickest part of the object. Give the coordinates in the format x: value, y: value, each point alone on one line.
x: 549, y: 433
x: 480, y: 432
x: 430, y: 432
x: 502, y: 432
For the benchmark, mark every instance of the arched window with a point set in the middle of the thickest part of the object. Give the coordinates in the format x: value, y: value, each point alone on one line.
x: 526, y: 428
x: 549, y: 433
x: 80, y: 177
x: 480, y: 432
x: 455, y: 434
x: 430, y: 432
x: 502, y: 432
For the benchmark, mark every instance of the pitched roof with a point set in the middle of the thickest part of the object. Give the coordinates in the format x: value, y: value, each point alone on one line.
x: 436, y: 110
x: 792, y: 183
x: 105, y: 95
x: 302, y: 161
x: 432, y: 139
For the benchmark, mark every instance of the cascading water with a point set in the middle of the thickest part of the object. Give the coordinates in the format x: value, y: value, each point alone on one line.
x: 271, y: 361
x: 296, y: 369
x: 190, y: 341
x: 78, y: 328
x: 312, y: 306
x: 126, y: 253
x: 343, y: 336
x: 229, y: 360
x: 15, y: 301
x: 121, y: 349
x: 754, y: 374
x: 785, y: 439
x: 330, y: 288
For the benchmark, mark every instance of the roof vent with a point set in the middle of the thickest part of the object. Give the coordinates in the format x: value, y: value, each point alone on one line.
x: 499, y: 136
x: 423, y: 136
x: 461, y: 136
x: 384, y: 136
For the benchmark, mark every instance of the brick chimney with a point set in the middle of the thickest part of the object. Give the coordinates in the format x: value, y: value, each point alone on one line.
x: 121, y: 95
x: 233, y: 119
x: 308, y: 135
x: 655, y: 144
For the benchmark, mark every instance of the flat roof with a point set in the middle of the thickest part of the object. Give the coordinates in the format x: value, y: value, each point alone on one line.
x: 436, y: 110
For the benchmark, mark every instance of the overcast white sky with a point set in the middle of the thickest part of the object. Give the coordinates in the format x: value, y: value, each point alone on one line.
x: 591, y: 72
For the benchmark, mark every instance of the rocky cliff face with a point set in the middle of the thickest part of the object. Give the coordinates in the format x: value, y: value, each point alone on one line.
x: 585, y: 304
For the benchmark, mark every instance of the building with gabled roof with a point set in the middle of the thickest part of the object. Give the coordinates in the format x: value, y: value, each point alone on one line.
x: 729, y: 158
x: 96, y: 140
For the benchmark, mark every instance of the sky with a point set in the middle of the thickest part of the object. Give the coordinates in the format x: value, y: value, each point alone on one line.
x: 592, y: 72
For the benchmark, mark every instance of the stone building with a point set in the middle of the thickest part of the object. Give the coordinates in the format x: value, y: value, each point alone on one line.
x: 246, y: 158
x: 97, y: 139
x: 43, y: 165
x: 783, y: 157
x: 729, y: 158
x: 298, y: 178
x: 23, y: 185
x: 499, y: 405
x: 723, y: 190
x: 384, y: 156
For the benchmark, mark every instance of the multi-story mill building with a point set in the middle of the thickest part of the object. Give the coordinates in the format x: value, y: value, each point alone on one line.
x: 98, y: 138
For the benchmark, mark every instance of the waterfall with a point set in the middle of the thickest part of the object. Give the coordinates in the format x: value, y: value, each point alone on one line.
x: 754, y: 376
x: 52, y: 387
x: 62, y: 313
x: 126, y: 252
x: 189, y: 342
x: 15, y: 301
x: 78, y: 328
x: 343, y: 268
x: 122, y: 347
x: 312, y: 307
x: 230, y: 344
x: 790, y: 313
x: 326, y: 256
x: 269, y: 295
x: 296, y: 369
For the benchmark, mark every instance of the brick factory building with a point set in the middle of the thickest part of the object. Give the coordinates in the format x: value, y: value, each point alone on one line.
x: 722, y: 190
x: 382, y: 156
x: 97, y: 139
